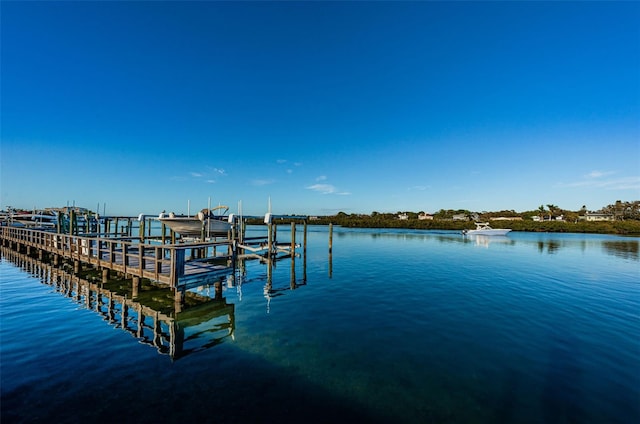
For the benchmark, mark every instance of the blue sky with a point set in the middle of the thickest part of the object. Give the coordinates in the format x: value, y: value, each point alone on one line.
x: 319, y: 106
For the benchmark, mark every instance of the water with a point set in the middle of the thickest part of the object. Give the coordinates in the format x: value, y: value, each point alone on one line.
x: 396, y: 326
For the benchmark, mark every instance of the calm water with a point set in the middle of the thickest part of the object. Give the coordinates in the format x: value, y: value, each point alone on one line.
x: 397, y: 326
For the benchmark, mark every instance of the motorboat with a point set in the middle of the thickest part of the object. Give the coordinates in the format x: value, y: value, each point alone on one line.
x: 38, y: 219
x: 205, y: 223
x: 484, y: 229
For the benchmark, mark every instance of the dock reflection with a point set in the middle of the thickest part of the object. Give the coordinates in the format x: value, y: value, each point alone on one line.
x: 153, y: 317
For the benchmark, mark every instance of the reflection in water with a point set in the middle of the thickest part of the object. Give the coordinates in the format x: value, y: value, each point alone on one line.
x: 551, y: 243
x: 627, y: 249
x: 551, y: 246
x: 485, y: 241
x: 202, y: 322
x: 269, y: 291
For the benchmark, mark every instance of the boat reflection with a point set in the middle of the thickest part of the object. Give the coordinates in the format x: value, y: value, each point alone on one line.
x: 153, y: 317
x: 485, y: 241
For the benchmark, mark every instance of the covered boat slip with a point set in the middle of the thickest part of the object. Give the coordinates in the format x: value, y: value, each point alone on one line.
x: 177, y: 265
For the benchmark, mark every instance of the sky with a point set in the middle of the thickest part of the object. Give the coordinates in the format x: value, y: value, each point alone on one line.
x: 319, y: 107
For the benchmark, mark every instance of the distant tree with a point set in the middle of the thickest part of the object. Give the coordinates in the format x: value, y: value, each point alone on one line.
x: 552, y: 209
x: 541, y: 212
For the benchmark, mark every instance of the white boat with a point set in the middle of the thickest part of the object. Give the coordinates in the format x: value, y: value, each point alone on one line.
x: 37, y: 219
x: 484, y: 229
x: 204, y: 223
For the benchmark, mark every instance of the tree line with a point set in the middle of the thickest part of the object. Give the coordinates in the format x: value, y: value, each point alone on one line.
x: 626, y: 214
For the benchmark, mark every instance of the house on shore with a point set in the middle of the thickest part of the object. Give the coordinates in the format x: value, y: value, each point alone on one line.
x: 598, y: 216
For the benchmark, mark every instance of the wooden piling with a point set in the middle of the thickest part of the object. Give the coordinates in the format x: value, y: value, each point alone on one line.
x: 330, y: 238
x: 141, y: 230
x: 269, y: 239
x: 304, y: 247
x: 72, y: 221
x: 293, y: 239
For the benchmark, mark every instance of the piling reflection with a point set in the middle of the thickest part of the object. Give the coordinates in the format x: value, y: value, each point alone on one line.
x: 270, y: 292
x: 153, y: 317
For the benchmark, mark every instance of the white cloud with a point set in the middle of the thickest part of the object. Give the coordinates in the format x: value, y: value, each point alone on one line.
x: 209, y: 174
x: 281, y: 161
x: 322, y: 188
x: 211, y: 181
x: 599, y: 174
x: 321, y: 178
x: 327, y: 189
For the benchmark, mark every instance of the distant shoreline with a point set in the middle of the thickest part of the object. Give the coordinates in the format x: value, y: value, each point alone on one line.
x: 628, y: 227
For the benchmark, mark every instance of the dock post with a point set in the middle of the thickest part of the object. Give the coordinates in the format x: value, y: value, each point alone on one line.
x: 330, y: 238
x: 269, y: 239
x: 76, y: 266
x: 105, y: 275
x: 304, y: 248
x: 275, y: 234
x: 141, y: 230
x: 293, y: 239
x: 72, y: 219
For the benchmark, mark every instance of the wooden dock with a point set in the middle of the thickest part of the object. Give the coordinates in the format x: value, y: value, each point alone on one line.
x: 179, y: 264
x: 175, y: 265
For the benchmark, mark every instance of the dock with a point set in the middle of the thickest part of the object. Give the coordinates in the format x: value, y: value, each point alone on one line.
x: 175, y: 262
